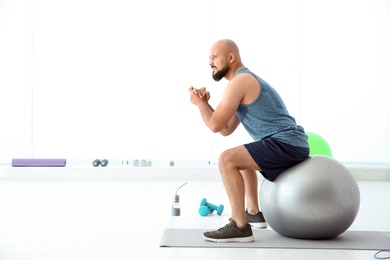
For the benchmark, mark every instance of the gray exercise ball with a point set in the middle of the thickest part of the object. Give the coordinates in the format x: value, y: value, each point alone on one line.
x: 315, y: 199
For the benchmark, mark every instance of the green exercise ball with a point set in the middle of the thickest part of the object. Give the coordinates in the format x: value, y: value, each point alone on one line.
x: 318, y: 145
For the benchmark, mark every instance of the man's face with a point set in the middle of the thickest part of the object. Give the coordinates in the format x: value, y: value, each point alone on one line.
x: 219, y: 66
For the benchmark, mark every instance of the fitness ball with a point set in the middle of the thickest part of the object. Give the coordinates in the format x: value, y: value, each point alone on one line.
x: 318, y: 145
x: 315, y: 199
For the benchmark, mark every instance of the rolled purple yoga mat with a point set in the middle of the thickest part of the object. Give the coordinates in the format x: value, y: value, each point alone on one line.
x: 29, y: 162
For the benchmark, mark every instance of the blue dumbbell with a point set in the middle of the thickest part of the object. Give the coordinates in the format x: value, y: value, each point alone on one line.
x: 204, y: 211
x: 219, y: 208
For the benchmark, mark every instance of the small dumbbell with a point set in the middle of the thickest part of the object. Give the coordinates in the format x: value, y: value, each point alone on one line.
x: 219, y: 208
x: 96, y: 162
x: 104, y: 162
x: 204, y: 211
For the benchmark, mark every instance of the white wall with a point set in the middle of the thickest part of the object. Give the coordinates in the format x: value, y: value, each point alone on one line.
x: 345, y: 82
x: 94, y: 79
x: 15, y: 79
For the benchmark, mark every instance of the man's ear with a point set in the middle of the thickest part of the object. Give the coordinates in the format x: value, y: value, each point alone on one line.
x: 232, y: 57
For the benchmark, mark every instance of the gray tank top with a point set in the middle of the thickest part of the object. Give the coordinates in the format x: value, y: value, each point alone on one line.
x: 268, y: 116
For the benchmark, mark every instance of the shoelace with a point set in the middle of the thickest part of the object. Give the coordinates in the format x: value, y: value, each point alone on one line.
x: 225, y: 228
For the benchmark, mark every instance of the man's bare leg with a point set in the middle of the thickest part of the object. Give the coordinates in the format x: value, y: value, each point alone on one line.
x: 230, y: 163
x: 251, y: 191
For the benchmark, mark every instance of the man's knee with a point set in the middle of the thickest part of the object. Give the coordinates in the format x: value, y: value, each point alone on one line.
x: 226, y: 159
x: 237, y: 158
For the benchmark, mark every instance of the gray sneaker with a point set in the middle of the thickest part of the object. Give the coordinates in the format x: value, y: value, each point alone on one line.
x: 256, y: 221
x: 230, y: 233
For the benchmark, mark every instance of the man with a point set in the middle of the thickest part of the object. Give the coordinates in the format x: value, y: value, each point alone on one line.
x: 278, y: 143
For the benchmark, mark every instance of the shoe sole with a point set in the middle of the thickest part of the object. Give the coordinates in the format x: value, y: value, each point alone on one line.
x: 231, y: 240
x: 258, y: 224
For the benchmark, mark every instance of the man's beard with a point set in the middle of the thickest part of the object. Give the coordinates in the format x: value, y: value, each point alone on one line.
x: 217, y: 76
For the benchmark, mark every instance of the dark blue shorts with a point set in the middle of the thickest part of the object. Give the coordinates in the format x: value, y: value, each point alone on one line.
x: 273, y: 156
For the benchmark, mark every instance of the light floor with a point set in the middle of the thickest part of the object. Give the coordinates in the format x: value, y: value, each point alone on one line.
x: 125, y: 220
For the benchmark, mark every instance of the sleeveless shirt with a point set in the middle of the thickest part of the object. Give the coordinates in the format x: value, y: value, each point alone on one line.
x: 268, y: 116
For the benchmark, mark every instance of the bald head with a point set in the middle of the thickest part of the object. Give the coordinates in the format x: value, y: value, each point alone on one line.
x: 226, y: 46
